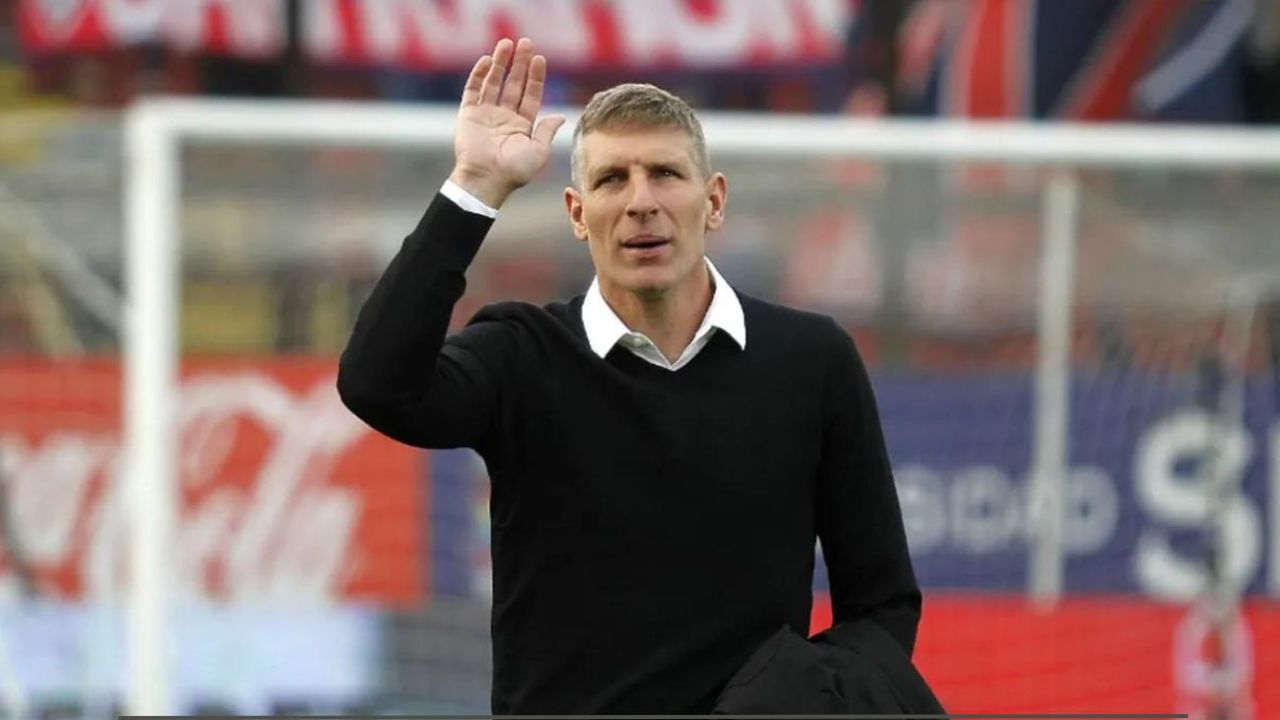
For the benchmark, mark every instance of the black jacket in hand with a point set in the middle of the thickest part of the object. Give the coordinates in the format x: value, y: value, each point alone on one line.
x: 853, y: 668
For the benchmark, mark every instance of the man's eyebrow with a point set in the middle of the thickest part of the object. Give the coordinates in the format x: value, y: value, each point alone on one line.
x: 605, y: 169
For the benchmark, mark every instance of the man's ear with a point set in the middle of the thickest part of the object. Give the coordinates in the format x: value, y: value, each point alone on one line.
x: 573, y: 204
x: 717, y: 198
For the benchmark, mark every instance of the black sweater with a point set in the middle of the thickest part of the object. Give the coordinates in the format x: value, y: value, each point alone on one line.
x: 650, y: 528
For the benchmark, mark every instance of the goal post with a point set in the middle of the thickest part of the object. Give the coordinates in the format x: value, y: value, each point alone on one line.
x: 150, y: 352
x: 157, y: 129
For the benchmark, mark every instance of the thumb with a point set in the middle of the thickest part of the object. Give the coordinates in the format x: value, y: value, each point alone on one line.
x: 546, y: 129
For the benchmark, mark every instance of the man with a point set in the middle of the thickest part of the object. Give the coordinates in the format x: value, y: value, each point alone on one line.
x: 663, y: 452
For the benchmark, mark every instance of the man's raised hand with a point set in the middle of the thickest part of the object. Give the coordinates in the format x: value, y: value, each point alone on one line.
x: 497, y: 146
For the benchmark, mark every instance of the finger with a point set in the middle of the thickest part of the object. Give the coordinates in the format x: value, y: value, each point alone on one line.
x: 546, y: 130
x: 475, y: 81
x: 514, y: 89
x: 531, y: 103
x: 493, y: 81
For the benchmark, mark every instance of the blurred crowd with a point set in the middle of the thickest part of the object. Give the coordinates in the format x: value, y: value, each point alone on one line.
x: 1176, y: 60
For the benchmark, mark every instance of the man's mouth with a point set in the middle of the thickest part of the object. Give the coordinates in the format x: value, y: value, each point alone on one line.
x: 645, y: 242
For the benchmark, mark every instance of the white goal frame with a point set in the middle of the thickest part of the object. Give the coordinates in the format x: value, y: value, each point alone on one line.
x: 155, y: 129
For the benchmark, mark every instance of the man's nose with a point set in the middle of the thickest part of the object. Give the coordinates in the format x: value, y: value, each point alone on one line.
x: 641, y: 203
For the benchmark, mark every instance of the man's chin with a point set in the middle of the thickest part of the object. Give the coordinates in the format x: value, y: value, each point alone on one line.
x: 648, y: 284
x: 650, y: 292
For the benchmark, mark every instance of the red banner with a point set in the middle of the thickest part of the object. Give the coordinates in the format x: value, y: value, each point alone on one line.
x: 247, y: 28
x: 1094, y: 654
x: 284, y: 494
x: 450, y: 34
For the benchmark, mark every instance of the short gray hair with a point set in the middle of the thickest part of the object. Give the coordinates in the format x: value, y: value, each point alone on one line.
x: 638, y: 106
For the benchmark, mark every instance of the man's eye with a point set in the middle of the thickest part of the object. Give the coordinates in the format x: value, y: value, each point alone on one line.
x: 668, y: 172
x: 609, y: 179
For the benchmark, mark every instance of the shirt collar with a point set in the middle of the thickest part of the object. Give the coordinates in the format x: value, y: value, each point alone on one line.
x: 604, y: 328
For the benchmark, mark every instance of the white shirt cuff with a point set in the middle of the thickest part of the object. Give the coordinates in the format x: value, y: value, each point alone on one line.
x: 466, y: 200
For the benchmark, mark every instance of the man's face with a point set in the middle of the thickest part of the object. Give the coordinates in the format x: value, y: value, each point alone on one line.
x: 644, y: 208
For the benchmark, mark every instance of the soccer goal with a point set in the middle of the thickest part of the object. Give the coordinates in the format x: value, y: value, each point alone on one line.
x: 1072, y: 332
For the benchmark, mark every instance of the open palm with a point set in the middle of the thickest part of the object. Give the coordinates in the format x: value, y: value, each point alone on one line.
x: 498, y: 143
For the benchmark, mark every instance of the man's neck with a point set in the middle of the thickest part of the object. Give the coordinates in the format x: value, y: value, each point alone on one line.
x: 670, y: 319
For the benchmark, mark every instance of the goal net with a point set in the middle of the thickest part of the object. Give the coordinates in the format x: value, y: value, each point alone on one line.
x: 1072, y: 334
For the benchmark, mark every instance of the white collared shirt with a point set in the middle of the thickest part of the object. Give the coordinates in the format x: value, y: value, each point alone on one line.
x: 605, y: 329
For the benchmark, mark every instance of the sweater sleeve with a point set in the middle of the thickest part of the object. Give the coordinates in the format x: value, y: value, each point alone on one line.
x: 858, y: 517
x: 399, y: 373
